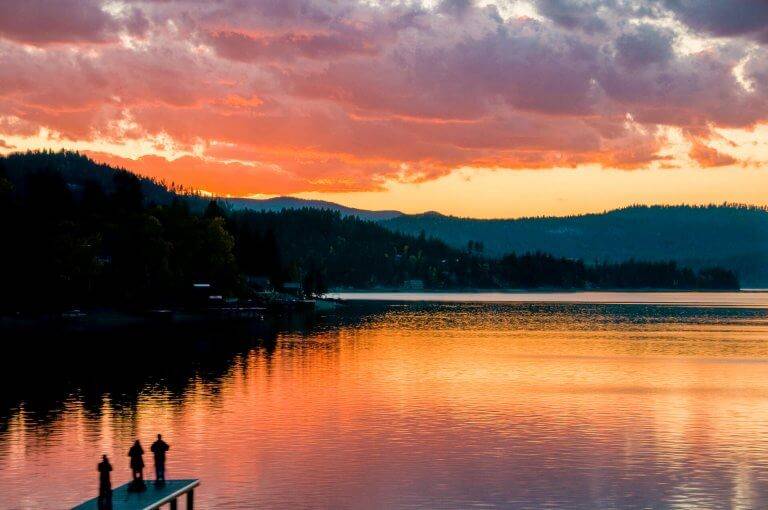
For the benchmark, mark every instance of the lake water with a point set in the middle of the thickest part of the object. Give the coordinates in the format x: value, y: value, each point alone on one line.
x: 751, y: 299
x: 445, y: 405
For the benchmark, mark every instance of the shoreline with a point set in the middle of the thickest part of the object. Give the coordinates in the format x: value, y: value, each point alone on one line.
x: 106, y: 318
x: 703, y: 299
x: 536, y: 290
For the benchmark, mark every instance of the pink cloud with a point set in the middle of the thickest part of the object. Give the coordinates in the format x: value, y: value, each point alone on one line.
x: 250, y: 48
x: 301, y: 95
x: 43, y: 22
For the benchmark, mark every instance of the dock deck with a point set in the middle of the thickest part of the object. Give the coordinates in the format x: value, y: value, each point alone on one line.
x: 154, y: 497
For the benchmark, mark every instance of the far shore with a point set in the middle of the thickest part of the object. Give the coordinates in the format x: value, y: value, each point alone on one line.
x: 657, y: 297
x: 106, y: 318
x: 537, y: 290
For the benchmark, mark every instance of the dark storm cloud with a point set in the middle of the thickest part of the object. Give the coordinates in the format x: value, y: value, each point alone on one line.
x: 724, y: 18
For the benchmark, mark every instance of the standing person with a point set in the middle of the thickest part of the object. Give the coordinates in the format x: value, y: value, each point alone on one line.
x: 137, y: 466
x: 104, y: 501
x: 159, y: 448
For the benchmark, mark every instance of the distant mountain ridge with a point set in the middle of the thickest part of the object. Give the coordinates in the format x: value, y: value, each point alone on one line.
x: 280, y: 203
x: 734, y: 236
x: 731, y: 235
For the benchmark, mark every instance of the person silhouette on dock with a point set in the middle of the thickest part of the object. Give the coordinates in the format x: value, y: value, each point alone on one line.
x: 104, y: 501
x: 159, y: 448
x: 137, y: 467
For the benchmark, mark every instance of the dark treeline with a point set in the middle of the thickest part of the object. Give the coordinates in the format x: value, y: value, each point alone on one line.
x: 80, y: 234
x: 727, y: 235
x: 540, y: 269
x: 66, y: 245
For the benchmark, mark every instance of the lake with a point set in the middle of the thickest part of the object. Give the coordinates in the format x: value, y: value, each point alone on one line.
x: 647, y: 401
x: 751, y: 299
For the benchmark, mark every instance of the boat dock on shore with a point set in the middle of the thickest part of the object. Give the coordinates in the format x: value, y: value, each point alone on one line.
x: 153, y: 498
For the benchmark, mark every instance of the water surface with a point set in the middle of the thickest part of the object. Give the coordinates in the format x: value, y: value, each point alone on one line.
x: 749, y: 299
x: 410, y: 405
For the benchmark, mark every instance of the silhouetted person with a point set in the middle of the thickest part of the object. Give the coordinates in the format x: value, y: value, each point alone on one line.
x: 104, y: 501
x: 137, y: 467
x: 159, y: 448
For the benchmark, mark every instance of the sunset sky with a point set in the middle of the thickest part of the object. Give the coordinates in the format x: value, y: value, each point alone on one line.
x: 486, y: 108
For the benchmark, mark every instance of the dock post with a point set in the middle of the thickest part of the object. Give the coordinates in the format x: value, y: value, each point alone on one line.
x: 191, y: 500
x: 173, y: 504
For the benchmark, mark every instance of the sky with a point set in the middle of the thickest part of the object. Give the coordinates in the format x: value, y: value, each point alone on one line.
x: 476, y: 108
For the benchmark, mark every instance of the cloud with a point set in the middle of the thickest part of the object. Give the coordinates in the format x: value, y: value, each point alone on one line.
x: 519, y: 66
x: 644, y: 45
x: 43, y: 22
x: 723, y: 18
x: 249, y: 48
x: 302, y: 95
x: 708, y: 157
x: 270, y: 174
x: 573, y: 14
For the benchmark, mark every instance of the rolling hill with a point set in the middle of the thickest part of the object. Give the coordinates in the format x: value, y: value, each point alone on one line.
x: 729, y: 235
x: 280, y: 203
x: 733, y: 236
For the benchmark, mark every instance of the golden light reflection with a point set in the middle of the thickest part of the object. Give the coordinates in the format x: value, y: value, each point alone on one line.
x: 459, y: 404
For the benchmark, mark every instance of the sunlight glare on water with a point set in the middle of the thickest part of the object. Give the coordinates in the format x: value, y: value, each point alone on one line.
x: 452, y: 405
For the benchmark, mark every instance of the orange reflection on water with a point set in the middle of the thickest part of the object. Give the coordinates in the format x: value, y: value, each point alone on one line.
x: 450, y: 406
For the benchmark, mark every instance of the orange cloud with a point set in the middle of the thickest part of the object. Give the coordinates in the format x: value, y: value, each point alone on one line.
x: 304, y: 95
x: 708, y: 157
x: 276, y: 176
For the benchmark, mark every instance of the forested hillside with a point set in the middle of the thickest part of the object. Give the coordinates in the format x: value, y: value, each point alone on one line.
x: 78, y: 233
x: 733, y: 236
x: 277, y: 204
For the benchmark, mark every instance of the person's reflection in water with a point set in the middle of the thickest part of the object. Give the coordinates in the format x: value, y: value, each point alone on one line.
x: 104, y: 501
x: 159, y: 448
x: 137, y: 467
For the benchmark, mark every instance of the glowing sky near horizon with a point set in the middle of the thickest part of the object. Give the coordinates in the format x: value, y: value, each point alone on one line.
x: 483, y: 108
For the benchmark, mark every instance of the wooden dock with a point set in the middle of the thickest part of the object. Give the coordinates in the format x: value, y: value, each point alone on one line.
x: 154, y: 497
